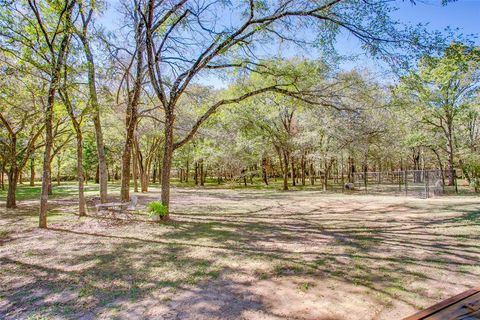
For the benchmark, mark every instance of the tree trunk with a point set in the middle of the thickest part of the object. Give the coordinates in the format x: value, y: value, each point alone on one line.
x: 132, y: 116
x: 145, y: 175
x: 167, y: 162
x: 264, y: 171
x: 293, y: 171
x: 81, y: 196
x: 351, y: 169
x: 135, y: 171
x: 440, y: 164
x: 325, y: 177
x: 50, y: 187
x: 187, y: 171
x: 125, y: 175
x: 48, y: 151
x: 159, y: 169
x: 102, y: 161
x: 32, y: 171
x: 285, y: 170
x: 58, y: 170
x: 2, y: 174
x: 450, y: 158
x: 311, y: 173
x: 144, y: 181
x: 196, y: 173
x: 202, y: 177
x: 416, y: 165
x: 303, y: 169
x: 343, y: 179
x: 12, y: 187
x: 97, y: 174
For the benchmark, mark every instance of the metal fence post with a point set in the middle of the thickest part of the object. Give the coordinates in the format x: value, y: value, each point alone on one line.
x: 365, y: 180
x: 406, y: 182
x: 427, y: 189
x: 399, y: 181
x: 455, y: 180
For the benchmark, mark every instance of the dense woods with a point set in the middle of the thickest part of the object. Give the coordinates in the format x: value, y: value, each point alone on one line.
x: 174, y: 96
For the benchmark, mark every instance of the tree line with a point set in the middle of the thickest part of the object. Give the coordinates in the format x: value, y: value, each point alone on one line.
x: 135, y: 103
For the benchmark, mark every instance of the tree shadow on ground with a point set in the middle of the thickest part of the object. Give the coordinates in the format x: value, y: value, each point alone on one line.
x: 126, y: 270
x: 102, y: 279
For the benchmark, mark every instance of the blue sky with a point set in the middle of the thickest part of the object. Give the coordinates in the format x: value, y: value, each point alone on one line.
x: 462, y: 14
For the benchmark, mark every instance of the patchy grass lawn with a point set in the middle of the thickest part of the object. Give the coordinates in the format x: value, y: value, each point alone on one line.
x: 27, y: 192
x: 252, y: 254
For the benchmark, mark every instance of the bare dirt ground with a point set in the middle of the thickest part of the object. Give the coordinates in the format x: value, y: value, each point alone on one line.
x: 241, y: 255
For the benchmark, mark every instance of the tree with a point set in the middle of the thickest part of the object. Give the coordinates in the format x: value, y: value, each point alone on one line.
x: 146, y: 144
x: 19, y: 117
x: 469, y: 144
x: 174, y: 64
x: 132, y: 83
x: 83, y: 32
x: 39, y: 34
x: 76, y: 115
x: 441, y: 90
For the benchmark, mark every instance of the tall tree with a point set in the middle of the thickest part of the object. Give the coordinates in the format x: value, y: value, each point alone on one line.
x: 76, y: 115
x: 39, y: 34
x: 21, y: 125
x: 185, y: 40
x: 441, y: 90
x: 134, y: 72
x: 86, y: 10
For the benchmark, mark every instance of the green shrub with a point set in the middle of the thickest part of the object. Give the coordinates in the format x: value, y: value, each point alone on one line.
x: 157, y: 209
x: 471, y: 170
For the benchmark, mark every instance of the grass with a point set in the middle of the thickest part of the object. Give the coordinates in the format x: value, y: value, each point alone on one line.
x: 69, y: 188
x: 66, y: 189
x: 255, y: 184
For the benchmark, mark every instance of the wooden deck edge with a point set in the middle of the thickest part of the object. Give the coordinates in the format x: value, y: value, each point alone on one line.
x: 442, y: 305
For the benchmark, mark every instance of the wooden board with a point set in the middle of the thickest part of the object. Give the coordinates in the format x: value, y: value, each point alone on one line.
x: 464, y: 306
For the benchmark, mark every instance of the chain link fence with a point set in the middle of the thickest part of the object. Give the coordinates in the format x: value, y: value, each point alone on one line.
x: 417, y: 183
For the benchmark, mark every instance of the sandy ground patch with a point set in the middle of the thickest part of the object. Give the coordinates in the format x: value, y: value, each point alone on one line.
x: 241, y: 255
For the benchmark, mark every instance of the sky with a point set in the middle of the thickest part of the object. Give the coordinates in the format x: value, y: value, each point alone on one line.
x: 462, y: 14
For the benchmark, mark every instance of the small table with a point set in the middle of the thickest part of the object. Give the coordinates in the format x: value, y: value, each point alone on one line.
x: 463, y: 306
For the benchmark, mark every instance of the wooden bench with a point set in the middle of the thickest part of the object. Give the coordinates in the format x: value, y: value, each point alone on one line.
x: 464, y: 306
x: 129, y: 206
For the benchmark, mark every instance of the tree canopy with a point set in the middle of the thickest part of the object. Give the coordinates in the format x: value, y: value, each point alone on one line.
x: 137, y: 104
